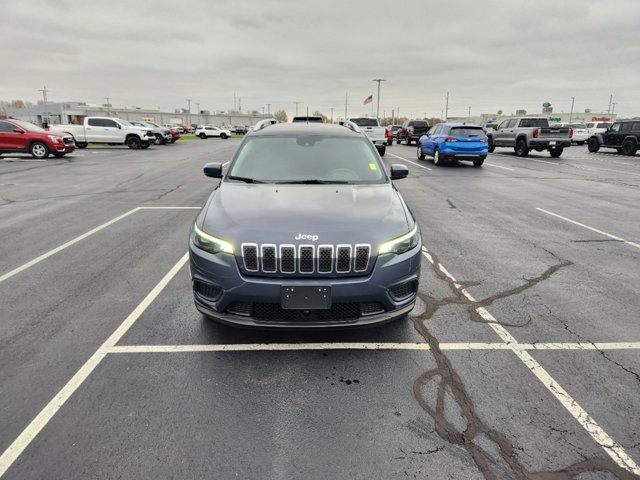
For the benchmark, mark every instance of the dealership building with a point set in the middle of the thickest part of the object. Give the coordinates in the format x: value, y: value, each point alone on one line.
x: 56, y: 113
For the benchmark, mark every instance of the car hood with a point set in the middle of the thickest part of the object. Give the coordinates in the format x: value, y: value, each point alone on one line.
x: 278, y: 213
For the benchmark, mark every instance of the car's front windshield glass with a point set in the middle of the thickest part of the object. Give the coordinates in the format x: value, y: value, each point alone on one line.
x: 30, y: 127
x: 124, y: 123
x: 578, y: 125
x: 307, y: 158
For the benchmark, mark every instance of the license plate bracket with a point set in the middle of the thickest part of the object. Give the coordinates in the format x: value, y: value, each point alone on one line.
x: 305, y: 297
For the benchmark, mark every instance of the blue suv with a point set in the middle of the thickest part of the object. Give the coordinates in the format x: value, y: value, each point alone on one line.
x: 454, y: 141
x: 304, y: 230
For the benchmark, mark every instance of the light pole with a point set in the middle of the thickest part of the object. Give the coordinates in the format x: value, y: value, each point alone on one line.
x: 379, y: 80
x: 613, y: 108
x: 108, y: 99
x: 268, y: 109
x: 263, y: 111
x: 297, y: 103
x: 469, y: 114
x: 573, y: 99
x: 44, y: 101
x: 189, y: 114
x: 331, y: 114
x: 446, y: 109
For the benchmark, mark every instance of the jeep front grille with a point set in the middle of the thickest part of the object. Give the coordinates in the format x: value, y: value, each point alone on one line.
x: 306, y: 259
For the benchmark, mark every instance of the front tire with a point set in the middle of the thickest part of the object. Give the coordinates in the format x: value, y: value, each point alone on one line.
x: 203, y: 136
x: 491, y: 146
x: 555, y: 152
x: 419, y: 153
x: 629, y: 147
x: 134, y: 143
x: 39, y: 150
x: 521, y: 148
x: 224, y: 136
x: 593, y: 145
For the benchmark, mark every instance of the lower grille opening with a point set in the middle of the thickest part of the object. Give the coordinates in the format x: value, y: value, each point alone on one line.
x: 207, y: 290
x: 274, y: 312
x: 402, y: 291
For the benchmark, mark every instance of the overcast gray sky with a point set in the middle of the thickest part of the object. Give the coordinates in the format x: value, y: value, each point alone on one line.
x: 490, y: 55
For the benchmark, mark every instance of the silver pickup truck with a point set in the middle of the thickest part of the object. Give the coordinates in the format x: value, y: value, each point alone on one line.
x: 524, y: 134
x: 372, y: 129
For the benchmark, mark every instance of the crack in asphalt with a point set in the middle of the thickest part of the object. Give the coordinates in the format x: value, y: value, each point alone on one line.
x: 451, y: 205
x: 497, y: 459
x: 165, y: 191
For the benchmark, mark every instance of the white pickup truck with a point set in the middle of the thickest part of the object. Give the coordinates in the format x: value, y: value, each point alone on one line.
x: 372, y: 129
x: 107, y: 130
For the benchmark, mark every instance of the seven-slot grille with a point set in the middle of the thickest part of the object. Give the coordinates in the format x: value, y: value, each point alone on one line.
x: 305, y: 259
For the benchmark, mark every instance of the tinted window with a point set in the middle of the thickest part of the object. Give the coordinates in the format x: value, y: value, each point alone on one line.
x: 30, y: 127
x: 626, y: 127
x: 432, y: 130
x: 420, y: 123
x: 365, y: 122
x: 603, y: 125
x: 95, y: 122
x: 534, y: 122
x: 636, y: 126
x: 437, y: 130
x: 511, y: 123
x: 590, y: 125
x: 6, y: 127
x: 467, y: 132
x: 503, y: 124
x: 615, y: 127
x: 577, y: 125
x: 308, y: 157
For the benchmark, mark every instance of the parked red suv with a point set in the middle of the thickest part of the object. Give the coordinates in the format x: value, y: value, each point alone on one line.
x: 17, y: 136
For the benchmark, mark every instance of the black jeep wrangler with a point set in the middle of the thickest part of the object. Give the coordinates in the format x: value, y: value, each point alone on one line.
x: 624, y: 136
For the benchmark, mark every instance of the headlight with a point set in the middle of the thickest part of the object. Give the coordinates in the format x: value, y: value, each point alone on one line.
x: 209, y: 243
x: 403, y: 243
x: 55, y: 139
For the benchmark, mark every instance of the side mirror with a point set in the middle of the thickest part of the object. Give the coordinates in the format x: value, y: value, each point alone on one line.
x: 398, y: 171
x: 119, y: 126
x: 213, y: 170
x: 17, y: 130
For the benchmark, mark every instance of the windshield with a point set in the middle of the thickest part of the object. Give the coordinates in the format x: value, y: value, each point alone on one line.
x: 299, y: 158
x: 30, y: 127
x: 534, y: 122
x: 467, y: 132
x: 577, y: 125
x: 124, y: 123
x: 365, y: 122
x: 420, y: 123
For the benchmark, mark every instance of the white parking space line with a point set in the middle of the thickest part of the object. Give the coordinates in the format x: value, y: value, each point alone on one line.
x: 48, y: 254
x: 75, y: 240
x: 498, y: 166
x: 46, y: 414
x: 614, y: 237
x: 414, y: 163
x: 16, y: 159
x: 610, y: 446
x: 248, y: 347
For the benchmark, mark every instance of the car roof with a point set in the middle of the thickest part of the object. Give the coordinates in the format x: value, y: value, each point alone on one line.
x: 446, y: 124
x: 305, y: 128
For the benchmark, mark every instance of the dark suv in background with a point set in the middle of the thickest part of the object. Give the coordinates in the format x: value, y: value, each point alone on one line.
x: 412, y: 130
x: 624, y: 136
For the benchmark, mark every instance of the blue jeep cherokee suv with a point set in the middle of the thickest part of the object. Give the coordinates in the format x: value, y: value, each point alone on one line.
x: 305, y: 230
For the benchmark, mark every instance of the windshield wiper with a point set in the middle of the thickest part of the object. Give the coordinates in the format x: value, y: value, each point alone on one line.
x: 244, y: 179
x: 315, y: 181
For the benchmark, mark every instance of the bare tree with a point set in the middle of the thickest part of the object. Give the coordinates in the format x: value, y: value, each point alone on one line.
x: 281, y: 116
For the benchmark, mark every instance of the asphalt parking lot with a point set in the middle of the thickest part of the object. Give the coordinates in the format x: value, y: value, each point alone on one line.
x: 522, y: 359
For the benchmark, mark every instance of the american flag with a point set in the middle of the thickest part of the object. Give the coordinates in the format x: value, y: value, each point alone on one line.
x: 368, y: 100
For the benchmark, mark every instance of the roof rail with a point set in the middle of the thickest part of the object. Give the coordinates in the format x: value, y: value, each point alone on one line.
x: 350, y: 125
x: 264, y: 123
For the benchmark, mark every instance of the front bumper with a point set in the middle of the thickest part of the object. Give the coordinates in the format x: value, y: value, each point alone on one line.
x: 259, y: 294
x: 538, y: 143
